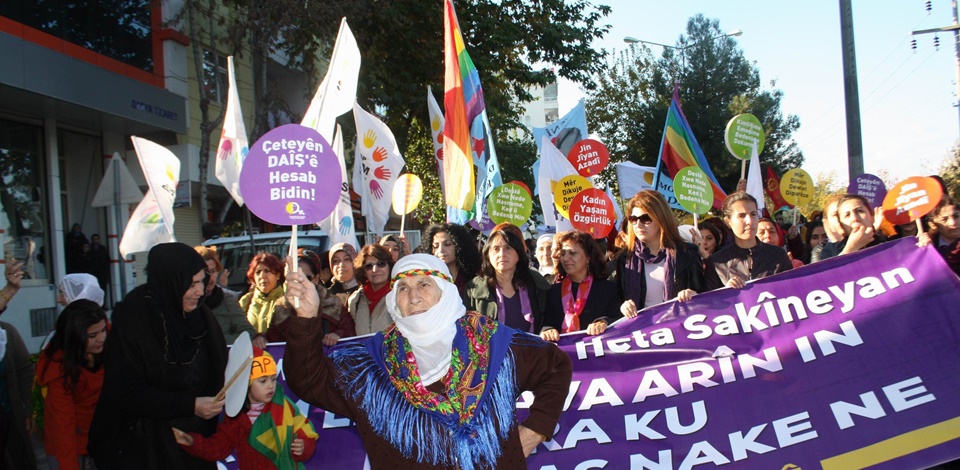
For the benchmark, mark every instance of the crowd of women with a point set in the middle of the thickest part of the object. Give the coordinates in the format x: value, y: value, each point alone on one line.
x: 110, y: 392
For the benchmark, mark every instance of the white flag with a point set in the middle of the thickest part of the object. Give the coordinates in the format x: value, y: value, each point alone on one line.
x: 436, y: 130
x: 381, y: 162
x: 338, y: 90
x: 233, y: 147
x: 152, y: 222
x: 339, y: 226
x: 755, y: 180
x: 553, y: 167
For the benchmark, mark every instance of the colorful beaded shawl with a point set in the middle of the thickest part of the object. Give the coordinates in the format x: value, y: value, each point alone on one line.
x: 464, y: 426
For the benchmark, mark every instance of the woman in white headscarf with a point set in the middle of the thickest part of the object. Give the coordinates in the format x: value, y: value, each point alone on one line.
x: 438, y: 388
x: 79, y: 286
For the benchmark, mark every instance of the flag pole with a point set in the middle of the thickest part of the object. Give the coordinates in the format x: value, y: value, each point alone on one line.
x: 743, y: 169
x: 293, y: 259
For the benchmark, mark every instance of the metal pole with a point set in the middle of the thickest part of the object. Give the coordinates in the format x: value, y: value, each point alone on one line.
x: 851, y: 92
x: 116, y: 207
x: 956, y: 46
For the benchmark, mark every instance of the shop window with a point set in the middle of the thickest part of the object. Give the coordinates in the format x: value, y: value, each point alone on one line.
x: 23, y: 206
x: 119, y: 29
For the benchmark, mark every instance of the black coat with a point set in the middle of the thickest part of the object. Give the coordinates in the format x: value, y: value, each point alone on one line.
x: 687, y: 272
x: 603, y: 303
x: 144, y: 396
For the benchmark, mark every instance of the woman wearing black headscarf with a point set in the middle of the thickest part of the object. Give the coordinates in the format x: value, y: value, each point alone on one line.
x: 163, y: 364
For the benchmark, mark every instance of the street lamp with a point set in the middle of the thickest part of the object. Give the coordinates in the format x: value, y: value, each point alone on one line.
x: 683, y: 56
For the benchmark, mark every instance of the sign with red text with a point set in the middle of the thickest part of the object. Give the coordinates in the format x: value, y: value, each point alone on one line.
x: 407, y: 193
x: 911, y: 199
x: 589, y: 157
x: 286, y: 178
x: 592, y: 211
x: 796, y: 187
x: 565, y: 190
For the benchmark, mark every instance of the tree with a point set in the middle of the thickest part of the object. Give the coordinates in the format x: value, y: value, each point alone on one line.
x: 950, y: 172
x: 715, y: 82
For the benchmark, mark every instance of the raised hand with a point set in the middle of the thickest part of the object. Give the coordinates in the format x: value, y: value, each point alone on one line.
x: 345, y: 224
x: 435, y: 123
x: 382, y: 173
x: 375, y: 189
x: 369, y: 138
x: 379, y: 154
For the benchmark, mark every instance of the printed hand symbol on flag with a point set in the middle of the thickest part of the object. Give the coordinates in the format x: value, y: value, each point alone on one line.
x: 375, y: 189
x: 380, y: 154
x: 435, y: 123
x: 382, y: 173
x: 369, y: 138
x: 225, y: 150
x: 440, y: 153
x: 345, y: 224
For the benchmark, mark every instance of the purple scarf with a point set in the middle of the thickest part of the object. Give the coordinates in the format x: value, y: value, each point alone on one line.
x: 525, y: 309
x: 634, y: 279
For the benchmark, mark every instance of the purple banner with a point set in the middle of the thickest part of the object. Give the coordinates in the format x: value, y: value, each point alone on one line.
x: 842, y: 364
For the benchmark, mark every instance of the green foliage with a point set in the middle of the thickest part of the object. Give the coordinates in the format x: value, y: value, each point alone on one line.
x: 421, y: 162
x: 716, y: 82
x: 950, y: 172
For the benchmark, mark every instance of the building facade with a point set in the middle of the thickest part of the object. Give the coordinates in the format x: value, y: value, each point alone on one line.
x: 77, y: 79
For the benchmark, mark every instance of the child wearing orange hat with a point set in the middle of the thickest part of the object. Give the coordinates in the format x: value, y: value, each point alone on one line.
x: 261, y: 433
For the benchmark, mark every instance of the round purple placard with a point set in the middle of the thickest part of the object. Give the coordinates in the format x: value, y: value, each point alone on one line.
x: 287, y: 178
x: 485, y: 225
x: 870, y: 187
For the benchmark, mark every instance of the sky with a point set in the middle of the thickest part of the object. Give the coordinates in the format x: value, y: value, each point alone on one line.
x: 909, y: 122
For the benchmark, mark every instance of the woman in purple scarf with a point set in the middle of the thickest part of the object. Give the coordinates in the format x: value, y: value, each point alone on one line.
x: 657, y: 265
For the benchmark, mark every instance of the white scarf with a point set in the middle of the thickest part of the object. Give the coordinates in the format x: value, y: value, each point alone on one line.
x: 430, y: 333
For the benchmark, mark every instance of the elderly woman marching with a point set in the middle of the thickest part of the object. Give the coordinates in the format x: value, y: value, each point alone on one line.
x: 438, y: 388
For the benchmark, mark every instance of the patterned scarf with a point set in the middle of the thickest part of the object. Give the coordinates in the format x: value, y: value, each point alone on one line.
x: 572, y: 308
x: 634, y: 276
x: 463, y: 426
x: 274, y: 430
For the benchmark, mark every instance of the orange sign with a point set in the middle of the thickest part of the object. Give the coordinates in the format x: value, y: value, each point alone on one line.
x: 911, y: 199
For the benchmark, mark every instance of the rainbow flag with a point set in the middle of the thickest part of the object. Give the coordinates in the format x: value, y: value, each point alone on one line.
x: 679, y: 149
x: 463, y: 102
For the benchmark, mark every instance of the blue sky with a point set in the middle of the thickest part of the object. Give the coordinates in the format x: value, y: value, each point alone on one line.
x: 909, y: 123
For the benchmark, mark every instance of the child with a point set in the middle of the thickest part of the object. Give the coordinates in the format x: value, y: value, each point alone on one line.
x: 260, y: 435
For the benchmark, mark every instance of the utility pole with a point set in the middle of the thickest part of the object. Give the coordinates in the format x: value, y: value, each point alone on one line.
x: 955, y: 27
x: 851, y: 92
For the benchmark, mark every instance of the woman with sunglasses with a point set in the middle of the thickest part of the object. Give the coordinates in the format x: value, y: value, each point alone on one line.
x: 657, y: 265
x: 369, y: 312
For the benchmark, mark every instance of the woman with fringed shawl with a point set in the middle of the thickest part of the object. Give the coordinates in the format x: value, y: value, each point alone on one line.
x: 438, y: 388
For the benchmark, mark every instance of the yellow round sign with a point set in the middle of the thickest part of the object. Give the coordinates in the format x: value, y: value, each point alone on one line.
x: 565, y: 190
x: 796, y: 187
x: 407, y: 193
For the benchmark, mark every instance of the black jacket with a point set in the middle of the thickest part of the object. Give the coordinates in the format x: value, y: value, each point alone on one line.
x: 481, y: 299
x: 143, y: 396
x: 755, y: 263
x: 687, y: 273
x: 603, y: 303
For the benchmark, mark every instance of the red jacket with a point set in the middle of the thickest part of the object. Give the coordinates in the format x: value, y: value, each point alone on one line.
x: 67, y: 415
x: 233, y: 433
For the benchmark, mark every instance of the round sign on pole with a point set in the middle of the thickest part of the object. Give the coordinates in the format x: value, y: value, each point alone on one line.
x: 796, y: 187
x: 522, y: 185
x: 743, y: 132
x: 286, y: 180
x: 911, y: 199
x: 693, y: 190
x: 407, y: 193
x: 589, y: 157
x: 592, y: 211
x: 485, y: 225
x: 510, y: 203
x: 565, y: 190
x: 870, y: 187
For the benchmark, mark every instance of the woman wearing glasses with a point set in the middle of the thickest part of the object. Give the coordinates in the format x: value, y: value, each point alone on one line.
x: 369, y: 312
x: 657, y: 265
